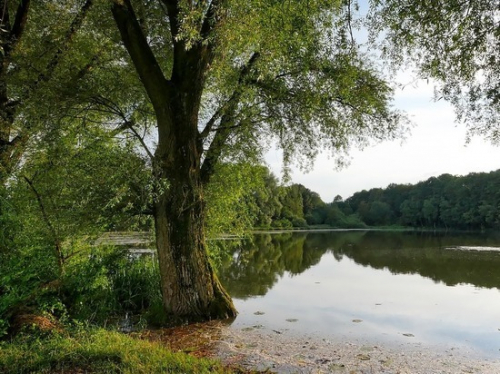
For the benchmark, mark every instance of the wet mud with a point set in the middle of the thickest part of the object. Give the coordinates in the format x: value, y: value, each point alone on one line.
x: 282, y: 352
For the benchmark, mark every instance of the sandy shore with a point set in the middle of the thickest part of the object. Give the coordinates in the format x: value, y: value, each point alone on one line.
x: 281, y: 352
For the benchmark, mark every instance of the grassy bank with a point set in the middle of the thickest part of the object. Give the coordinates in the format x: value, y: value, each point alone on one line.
x: 96, y: 351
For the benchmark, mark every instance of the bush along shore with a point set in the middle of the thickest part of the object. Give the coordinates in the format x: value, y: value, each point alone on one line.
x: 93, y: 317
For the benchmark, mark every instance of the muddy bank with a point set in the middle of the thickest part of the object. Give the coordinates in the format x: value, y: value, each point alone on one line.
x: 281, y: 352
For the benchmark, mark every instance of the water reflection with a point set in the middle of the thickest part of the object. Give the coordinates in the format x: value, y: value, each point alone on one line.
x: 259, y: 263
x: 396, y: 283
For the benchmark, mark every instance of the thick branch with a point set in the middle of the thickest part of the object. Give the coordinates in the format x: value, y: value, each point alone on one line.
x: 207, y: 25
x: 211, y: 122
x: 349, y: 22
x: 19, y: 25
x: 173, y: 16
x: 216, y: 146
x: 225, y: 129
x: 244, y: 72
x: 210, y: 19
x: 140, y: 52
x: 192, y: 56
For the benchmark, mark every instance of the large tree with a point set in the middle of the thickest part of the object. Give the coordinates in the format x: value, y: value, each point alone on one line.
x: 457, y: 43
x: 224, y: 77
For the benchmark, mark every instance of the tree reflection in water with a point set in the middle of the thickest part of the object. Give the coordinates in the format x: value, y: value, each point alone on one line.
x: 258, y: 264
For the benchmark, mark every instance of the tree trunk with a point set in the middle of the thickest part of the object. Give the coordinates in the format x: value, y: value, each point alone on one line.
x: 4, y: 154
x: 190, y: 288
x: 191, y: 291
x: 6, y: 121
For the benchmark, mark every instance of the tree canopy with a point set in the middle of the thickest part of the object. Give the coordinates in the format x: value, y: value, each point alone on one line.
x: 457, y: 43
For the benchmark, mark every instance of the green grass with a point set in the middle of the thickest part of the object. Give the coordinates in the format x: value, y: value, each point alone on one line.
x: 96, y: 351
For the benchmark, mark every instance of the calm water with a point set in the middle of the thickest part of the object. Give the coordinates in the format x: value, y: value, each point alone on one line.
x: 433, y: 290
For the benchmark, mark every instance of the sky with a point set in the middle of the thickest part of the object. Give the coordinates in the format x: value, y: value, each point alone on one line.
x: 436, y: 145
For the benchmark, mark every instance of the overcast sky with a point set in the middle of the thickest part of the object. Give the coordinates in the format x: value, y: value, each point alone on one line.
x: 435, y: 146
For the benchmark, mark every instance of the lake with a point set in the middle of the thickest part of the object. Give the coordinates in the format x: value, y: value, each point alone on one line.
x: 426, y: 289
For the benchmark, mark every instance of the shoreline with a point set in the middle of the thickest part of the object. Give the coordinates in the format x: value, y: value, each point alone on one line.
x: 371, y: 228
x: 278, y: 352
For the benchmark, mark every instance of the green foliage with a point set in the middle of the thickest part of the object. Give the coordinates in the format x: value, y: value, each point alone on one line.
x: 101, y: 284
x: 265, y: 201
x: 227, y: 196
x: 9, y: 223
x: 25, y: 277
x: 241, y: 197
x: 50, y: 51
x: 336, y: 218
x: 85, y: 180
x: 451, y: 202
x: 291, y: 200
x: 282, y: 223
x: 310, y: 87
x: 231, y: 209
x: 97, y: 351
x: 272, y: 205
x: 76, y: 181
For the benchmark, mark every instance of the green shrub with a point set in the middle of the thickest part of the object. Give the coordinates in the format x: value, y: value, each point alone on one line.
x: 282, y: 223
x: 354, y: 222
x: 98, y: 285
x: 299, y: 222
x: 25, y: 283
x: 109, y: 283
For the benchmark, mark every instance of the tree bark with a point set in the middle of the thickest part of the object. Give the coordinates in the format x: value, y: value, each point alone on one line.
x: 190, y: 288
x: 191, y: 291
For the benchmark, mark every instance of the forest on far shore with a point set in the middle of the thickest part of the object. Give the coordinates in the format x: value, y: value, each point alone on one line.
x: 470, y: 202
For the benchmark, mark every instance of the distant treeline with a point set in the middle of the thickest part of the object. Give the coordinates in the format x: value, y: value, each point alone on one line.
x: 275, y: 206
x: 469, y: 202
